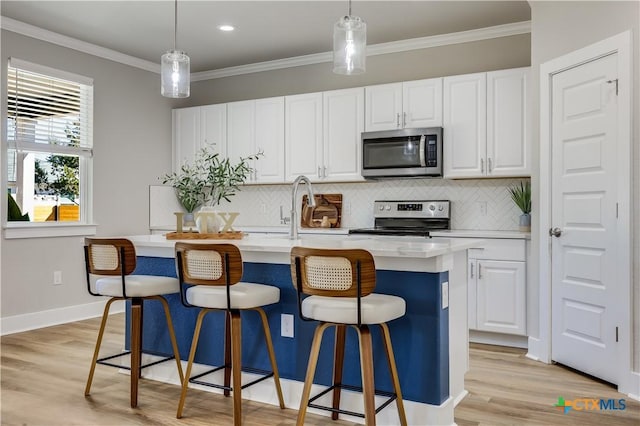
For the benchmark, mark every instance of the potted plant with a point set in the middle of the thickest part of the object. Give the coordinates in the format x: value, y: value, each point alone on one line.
x: 521, y: 196
x: 207, y: 181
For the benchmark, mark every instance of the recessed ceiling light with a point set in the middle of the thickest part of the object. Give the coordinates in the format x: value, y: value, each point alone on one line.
x: 226, y: 27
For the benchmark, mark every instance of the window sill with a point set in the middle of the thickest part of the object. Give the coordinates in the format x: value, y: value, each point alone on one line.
x: 15, y: 230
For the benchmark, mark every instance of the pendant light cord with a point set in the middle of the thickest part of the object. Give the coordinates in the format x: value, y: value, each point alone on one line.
x: 175, y: 25
x: 349, y: 7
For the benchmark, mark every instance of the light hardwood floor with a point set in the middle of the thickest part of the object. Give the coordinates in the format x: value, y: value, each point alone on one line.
x: 44, y: 373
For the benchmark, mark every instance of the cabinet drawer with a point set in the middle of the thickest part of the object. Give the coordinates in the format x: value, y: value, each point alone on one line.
x: 500, y: 250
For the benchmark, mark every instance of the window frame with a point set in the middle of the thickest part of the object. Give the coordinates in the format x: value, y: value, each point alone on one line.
x: 85, y: 225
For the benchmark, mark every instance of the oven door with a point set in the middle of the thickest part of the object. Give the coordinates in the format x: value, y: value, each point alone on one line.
x: 402, y: 153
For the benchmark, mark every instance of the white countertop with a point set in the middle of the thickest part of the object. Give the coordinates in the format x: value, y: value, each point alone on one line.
x: 394, y: 253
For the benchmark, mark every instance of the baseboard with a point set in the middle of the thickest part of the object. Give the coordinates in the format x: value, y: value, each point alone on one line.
x: 34, y: 320
x: 417, y: 413
x: 631, y: 386
x: 499, y: 339
x: 536, y: 349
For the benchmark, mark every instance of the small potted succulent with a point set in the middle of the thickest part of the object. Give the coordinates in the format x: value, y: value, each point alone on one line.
x: 207, y: 181
x: 521, y: 196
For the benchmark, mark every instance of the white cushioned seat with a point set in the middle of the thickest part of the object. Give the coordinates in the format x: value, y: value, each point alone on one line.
x: 243, y: 295
x: 375, y: 308
x: 137, y: 285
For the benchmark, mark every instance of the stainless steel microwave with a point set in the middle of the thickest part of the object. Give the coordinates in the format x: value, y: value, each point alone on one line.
x: 402, y: 153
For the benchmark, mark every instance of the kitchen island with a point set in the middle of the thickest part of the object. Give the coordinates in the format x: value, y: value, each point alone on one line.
x: 430, y: 341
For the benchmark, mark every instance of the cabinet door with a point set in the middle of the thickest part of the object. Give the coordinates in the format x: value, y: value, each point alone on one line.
x: 241, y: 129
x: 465, y: 122
x: 422, y: 103
x: 508, y: 123
x: 501, y: 305
x: 303, y: 136
x: 383, y: 109
x: 186, y: 135
x: 269, y: 136
x: 213, y: 128
x: 343, y: 119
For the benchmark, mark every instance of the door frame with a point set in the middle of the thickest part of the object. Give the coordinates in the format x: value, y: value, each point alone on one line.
x: 620, y: 44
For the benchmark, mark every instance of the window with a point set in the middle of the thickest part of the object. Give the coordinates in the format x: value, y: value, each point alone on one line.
x: 49, y: 144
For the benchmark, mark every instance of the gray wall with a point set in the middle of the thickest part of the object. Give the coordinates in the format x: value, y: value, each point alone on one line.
x: 132, y: 146
x: 486, y: 55
x: 562, y: 27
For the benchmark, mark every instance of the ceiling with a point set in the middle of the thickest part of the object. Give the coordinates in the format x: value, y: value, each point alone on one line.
x: 265, y: 30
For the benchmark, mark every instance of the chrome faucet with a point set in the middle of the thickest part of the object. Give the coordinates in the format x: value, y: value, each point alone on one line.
x: 311, y: 202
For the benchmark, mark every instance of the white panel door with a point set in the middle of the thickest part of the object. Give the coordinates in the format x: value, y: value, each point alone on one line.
x: 585, y: 292
x: 465, y: 126
x: 186, y: 135
x: 383, y: 109
x: 303, y: 136
x: 343, y: 123
x: 213, y: 128
x: 240, y: 129
x: 422, y: 103
x: 269, y: 137
x: 501, y: 297
x: 508, y: 123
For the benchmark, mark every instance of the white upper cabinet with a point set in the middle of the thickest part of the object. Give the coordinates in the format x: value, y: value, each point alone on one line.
x: 303, y: 136
x: 270, y: 140
x: 384, y: 107
x: 258, y: 126
x: 195, y: 128
x: 486, y: 125
x: 343, y: 122
x: 422, y: 103
x: 404, y: 105
x: 508, y: 123
x: 465, y: 121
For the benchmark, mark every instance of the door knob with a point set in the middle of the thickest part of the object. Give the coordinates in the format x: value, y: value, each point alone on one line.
x: 555, y: 232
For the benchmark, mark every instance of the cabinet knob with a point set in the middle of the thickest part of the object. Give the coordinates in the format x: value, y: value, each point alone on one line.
x: 404, y: 119
x: 398, y: 120
x: 471, y: 274
x: 489, y: 165
x: 482, y: 165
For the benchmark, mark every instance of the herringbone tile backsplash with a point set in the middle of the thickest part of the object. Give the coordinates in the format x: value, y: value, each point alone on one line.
x: 259, y: 205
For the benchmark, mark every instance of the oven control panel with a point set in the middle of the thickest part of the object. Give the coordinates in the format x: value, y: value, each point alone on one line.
x: 412, y: 209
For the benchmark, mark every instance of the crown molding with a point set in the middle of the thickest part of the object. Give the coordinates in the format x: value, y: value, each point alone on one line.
x: 75, y: 44
x: 497, y: 31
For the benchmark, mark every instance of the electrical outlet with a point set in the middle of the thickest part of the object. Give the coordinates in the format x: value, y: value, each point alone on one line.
x: 286, y: 325
x: 482, y: 208
x: 263, y: 208
x: 347, y: 208
x: 445, y: 295
x: 57, y: 277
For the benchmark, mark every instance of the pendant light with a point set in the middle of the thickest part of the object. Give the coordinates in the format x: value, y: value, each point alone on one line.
x: 349, y: 45
x: 175, y: 68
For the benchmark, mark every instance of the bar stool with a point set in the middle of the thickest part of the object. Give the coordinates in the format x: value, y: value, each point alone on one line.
x: 339, y: 286
x: 210, y: 279
x: 113, y: 260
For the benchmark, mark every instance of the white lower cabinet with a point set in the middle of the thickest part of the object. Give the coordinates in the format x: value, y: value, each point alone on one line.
x: 497, y: 287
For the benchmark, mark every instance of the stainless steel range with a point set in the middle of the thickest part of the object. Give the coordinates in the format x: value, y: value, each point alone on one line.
x: 415, y: 218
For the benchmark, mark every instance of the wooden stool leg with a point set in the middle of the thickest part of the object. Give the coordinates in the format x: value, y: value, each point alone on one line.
x: 366, y: 364
x: 136, y: 347
x: 227, y: 352
x: 103, y: 323
x: 393, y: 372
x: 236, y: 365
x: 311, y: 370
x: 172, y: 334
x: 192, y: 355
x: 338, y: 365
x: 272, y: 355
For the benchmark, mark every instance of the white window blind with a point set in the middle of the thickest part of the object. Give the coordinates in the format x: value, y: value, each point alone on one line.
x: 48, y: 110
